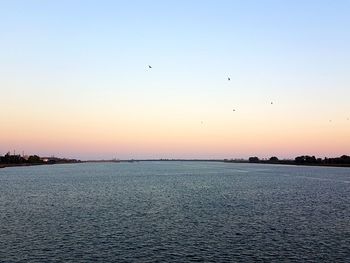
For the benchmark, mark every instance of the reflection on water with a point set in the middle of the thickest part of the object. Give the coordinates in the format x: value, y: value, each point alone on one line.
x: 174, y: 212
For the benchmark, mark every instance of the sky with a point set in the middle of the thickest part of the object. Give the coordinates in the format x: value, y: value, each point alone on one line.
x: 75, y: 81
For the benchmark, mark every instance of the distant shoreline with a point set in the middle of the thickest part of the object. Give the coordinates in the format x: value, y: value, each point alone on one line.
x: 13, y: 160
x: 282, y: 162
x: 292, y: 163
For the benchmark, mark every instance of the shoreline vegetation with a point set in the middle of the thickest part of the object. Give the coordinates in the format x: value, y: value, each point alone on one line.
x: 14, y: 160
x: 342, y: 161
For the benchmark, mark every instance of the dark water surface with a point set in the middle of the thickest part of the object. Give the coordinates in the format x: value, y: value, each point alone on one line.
x: 174, y: 212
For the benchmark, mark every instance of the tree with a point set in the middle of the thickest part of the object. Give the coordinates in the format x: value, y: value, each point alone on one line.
x: 305, y: 159
x: 273, y: 159
x: 254, y: 159
x: 34, y: 159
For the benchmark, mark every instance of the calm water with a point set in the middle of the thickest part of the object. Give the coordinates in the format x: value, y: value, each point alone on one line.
x: 174, y: 212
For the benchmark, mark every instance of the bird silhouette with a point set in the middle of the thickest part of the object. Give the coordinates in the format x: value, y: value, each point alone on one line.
x: 228, y: 78
x: 149, y: 66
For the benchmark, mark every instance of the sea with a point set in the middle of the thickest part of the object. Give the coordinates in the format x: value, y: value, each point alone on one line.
x: 179, y: 211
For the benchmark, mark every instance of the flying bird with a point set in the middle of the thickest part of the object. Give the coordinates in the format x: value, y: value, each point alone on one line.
x: 149, y: 66
x: 228, y: 78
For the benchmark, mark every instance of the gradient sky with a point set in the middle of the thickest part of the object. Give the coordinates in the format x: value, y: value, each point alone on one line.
x: 74, y: 78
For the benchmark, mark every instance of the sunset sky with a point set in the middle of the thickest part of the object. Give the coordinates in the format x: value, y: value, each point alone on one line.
x: 75, y: 82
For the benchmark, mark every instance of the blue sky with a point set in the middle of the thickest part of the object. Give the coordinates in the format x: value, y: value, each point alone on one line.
x: 89, y: 59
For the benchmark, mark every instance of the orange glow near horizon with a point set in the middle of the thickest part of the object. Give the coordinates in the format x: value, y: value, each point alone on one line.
x: 159, y: 137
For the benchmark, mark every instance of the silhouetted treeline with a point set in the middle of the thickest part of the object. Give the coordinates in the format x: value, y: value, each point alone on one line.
x: 305, y: 159
x: 16, y: 159
x: 343, y: 160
